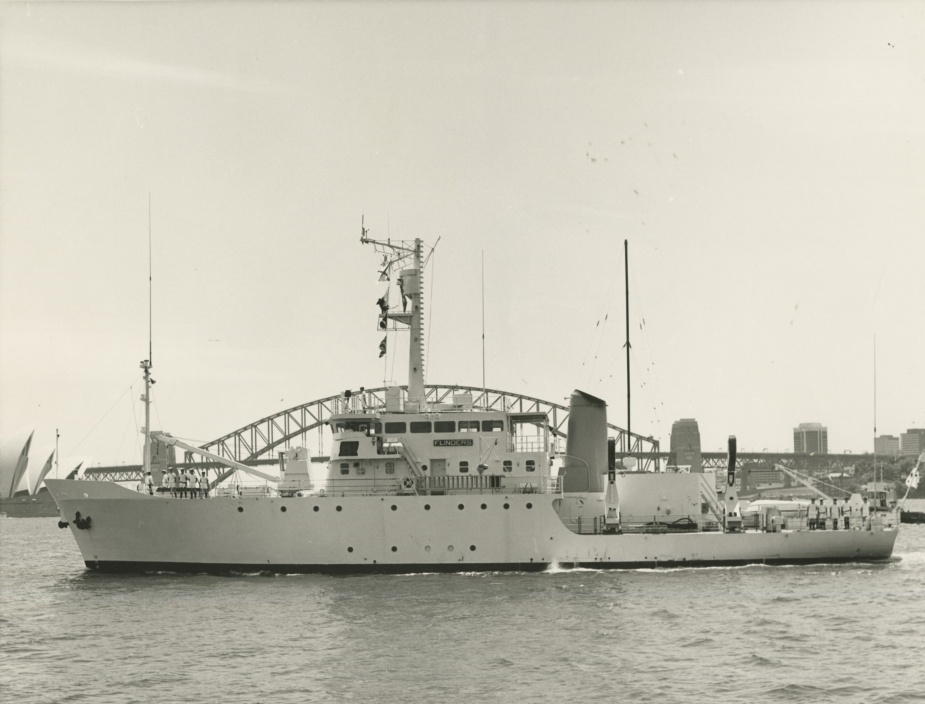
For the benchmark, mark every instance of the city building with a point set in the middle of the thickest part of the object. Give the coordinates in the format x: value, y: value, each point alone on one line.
x: 912, y: 442
x: 685, y: 445
x: 886, y: 445
x: 811, y: 439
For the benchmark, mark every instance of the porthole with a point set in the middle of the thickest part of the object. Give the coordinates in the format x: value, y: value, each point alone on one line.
x: 340, y: 508
x: 449, y: 548
x: 283, y: 509
x: 427, y: 548
x: 472, y: 548
x: 507, y: 506
x: 484, y: 506
x: 394, y: 549
x: 529, y: 505
x: 317, y: 509
x: 240, y: 509
x: 349, y: 549
x: 461, y: 507
x: 427, y: 507
x: 394, y: 507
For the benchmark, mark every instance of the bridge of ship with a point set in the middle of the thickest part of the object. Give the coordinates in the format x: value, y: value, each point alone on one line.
x: 261, y: 441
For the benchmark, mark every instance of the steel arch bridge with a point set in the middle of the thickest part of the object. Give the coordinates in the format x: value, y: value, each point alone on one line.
x: 259, y: 442
x: 262, y: 438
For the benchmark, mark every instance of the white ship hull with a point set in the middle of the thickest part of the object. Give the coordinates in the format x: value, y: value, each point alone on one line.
x: 132, y: 532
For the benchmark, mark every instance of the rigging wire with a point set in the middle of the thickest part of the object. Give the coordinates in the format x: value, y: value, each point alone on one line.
x: 394, y: 356
x: 135, y: 448
x: 430, y: 308
x: 90, y: 432
x: 158, y: 414
x: 652, y: 383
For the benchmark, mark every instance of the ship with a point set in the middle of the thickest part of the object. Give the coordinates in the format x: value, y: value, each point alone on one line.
x: 412, y: 485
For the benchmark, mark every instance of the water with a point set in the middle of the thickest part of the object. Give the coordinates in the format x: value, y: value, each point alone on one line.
x: 847, y: 633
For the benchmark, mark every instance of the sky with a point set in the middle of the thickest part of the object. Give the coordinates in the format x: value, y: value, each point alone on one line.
x: 765, y: 161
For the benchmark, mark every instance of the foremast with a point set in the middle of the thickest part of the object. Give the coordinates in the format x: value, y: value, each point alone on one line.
x: 407, y: 259
x: 147, y: 364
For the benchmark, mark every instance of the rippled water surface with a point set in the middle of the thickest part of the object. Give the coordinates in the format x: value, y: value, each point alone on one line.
x: 847, y: 633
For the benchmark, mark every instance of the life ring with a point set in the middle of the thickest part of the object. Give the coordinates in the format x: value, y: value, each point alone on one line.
x: 408, y: 482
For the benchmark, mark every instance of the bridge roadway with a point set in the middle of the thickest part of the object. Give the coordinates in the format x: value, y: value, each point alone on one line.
x: 808, y: 464
x: 259, y: 443
x: 745, y: 461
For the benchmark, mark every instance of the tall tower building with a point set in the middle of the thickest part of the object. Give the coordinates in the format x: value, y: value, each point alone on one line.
x: 886, y: 445
x: 810, y: 438
x: 685, y: 445
x: 912, y: 442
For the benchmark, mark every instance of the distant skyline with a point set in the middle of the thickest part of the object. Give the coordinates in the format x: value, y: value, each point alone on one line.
x: 766, y: 162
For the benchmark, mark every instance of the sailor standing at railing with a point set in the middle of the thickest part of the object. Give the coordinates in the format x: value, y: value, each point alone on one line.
x: 812, y: 514
x: 149, y: 482
x: 184, y: 482
x: 204, y: 485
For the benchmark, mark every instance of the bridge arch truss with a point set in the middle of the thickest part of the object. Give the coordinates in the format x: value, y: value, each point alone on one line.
x: 264, y: 438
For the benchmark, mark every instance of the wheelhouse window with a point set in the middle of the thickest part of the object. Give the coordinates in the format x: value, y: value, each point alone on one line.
x: 445, y: 426
x: 492, y: 426
x: 468, y: 426
x: 463, y: 467
x: 355, y: 425
x: 507, y: 466
x: 395, y: 427
x: 420, y: 426
x: 345, y: 468
x: 349, y: 448
x: 531, y: 465
x: 390, y: 468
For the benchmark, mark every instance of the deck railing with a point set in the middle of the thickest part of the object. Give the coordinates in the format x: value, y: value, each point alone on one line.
x: 449, y: 484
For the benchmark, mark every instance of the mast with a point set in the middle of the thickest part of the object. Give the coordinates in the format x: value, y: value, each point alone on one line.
x: 875, y: 408
x: 626, y: 274
x: 410, y: 284
x: 413, y: 285
x: 147, y: 364
x: 484, y: 392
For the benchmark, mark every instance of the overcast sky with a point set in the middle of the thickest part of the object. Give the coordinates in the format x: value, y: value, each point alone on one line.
x: 765, y: 160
